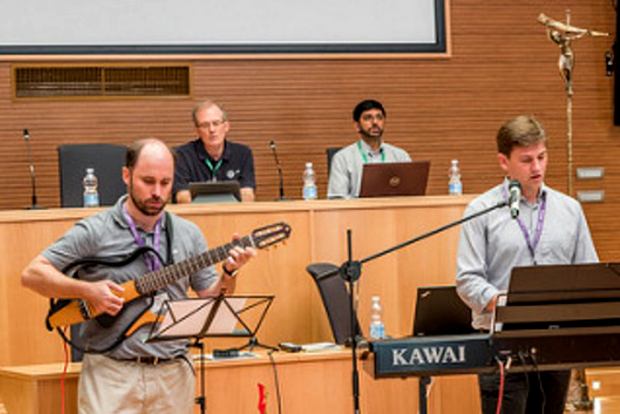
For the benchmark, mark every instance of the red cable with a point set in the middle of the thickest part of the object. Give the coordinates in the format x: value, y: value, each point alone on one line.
x: 500, y: 395
x: 64, y: 374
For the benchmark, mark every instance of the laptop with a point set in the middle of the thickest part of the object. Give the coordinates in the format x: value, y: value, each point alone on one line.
x: 215, y: 192
x: 440, y: 311
x: 394, y: 179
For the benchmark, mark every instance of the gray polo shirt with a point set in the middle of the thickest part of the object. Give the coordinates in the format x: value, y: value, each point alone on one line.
x: 107, y: 235
x: 345, y: 176
x: 491, y: 245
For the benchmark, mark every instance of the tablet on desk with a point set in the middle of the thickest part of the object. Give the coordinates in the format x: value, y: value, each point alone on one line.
x: 215, y: 192
x: 394, y: 179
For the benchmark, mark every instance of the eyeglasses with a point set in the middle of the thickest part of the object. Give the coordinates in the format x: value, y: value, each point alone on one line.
x: 214, y: 124
x: 370, y: 117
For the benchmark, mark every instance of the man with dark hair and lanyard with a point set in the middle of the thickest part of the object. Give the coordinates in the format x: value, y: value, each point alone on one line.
x: 550, y: 229
x: 133, y: 376
x: 212, y: 157
x: 345, y: 175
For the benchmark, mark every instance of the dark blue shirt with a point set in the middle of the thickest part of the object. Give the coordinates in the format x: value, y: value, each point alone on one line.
x: 237, y: 164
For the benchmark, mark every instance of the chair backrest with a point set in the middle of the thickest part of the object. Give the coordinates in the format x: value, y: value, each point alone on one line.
x: 335, y: 299
x: 107, y: 160
x: 330, y: 154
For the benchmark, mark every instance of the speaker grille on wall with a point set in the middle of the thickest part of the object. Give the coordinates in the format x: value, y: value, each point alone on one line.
x: 121, y: 80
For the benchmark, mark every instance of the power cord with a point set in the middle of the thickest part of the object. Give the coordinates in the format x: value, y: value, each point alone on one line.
x: 500, y: 393
x: 64, y: 377
x: 275, y: 375
x: 540, y: 384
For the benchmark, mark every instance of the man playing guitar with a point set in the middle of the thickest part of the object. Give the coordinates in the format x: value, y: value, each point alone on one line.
x: 131, y: 375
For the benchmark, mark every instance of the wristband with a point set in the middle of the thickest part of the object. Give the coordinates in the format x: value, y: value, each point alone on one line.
x: 229, y: 273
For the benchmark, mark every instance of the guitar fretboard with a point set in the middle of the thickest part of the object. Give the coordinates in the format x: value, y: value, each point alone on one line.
x: 153, y: 281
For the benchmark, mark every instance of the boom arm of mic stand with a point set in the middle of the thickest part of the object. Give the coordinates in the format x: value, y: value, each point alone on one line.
x: 352, y: 268
x: 433, y: 232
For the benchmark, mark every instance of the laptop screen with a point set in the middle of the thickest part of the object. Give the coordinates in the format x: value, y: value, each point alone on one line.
x: 440, y: 311
x: 394, y: 179
x: 215, y: 192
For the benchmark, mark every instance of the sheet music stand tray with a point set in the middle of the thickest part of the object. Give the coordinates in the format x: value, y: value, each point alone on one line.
x: 221, y: 316
x: 560, y: 298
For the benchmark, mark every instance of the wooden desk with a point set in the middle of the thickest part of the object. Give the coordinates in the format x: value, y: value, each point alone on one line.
x: 35, y: 389
x: 297, y: 315
x: 309, y: 383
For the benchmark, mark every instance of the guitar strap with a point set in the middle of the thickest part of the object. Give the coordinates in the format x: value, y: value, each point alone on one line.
x: 169, y: 239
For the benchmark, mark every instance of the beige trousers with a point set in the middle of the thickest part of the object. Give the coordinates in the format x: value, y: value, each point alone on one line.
x: 108, y: 386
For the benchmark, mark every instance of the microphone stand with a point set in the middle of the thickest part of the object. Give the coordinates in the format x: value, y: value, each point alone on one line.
x: 351, y: 271
x: 34, y: 205
x: 272, y: 144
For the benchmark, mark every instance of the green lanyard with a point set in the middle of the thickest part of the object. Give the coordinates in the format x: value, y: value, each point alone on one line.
x: 215, y: 169
x: 365, y: 157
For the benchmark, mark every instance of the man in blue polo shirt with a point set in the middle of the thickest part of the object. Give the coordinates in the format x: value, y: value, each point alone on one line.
x: 212, y: 157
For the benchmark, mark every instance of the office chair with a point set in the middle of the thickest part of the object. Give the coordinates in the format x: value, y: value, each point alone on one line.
x: 107, y: 160
x: 330, y: 154
x: 335, y: 298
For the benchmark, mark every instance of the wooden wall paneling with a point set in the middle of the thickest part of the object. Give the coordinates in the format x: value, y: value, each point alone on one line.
x: 501, y: 65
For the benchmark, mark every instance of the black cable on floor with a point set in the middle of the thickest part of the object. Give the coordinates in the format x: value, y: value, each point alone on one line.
x: 275, y: 375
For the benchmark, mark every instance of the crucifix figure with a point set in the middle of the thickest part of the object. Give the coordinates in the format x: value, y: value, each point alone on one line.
x: 563, y: 35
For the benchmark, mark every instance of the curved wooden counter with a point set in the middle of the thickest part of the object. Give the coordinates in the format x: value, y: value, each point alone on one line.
x: 297, y: 315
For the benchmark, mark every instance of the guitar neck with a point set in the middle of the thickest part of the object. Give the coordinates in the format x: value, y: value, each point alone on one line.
x: 154, y: 281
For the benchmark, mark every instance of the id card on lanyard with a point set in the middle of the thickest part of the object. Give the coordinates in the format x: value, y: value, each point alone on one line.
x: 213, y: 169
x: 152, y: 262
x: 363, y: 153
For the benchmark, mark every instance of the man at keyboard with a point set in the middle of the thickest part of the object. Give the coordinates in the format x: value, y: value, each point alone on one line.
x: 550, y: 228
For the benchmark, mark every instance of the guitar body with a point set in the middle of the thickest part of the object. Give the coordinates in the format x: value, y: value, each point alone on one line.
x: 70, y: 312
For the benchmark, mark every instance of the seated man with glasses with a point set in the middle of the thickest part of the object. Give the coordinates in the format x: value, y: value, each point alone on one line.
x: 345, y: 175
x: 212, y: 157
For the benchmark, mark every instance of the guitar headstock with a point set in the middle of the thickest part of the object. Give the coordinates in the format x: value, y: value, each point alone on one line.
x: 269, y: 235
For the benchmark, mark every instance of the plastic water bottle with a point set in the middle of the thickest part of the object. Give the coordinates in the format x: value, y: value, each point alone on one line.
x: 309, y: 191
x: 377, y: 328
x: 455, y: 187
x: 91, y: 196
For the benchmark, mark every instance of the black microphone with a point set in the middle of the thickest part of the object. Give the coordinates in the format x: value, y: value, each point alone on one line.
x: 34, y: 205
x: 272, y: 144
x: 515, y: 197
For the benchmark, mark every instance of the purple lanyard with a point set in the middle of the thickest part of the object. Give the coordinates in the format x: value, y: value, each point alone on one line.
x: 539, y: 226
x: 152, y: 263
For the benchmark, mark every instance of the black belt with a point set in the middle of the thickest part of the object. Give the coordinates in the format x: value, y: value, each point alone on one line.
x: 151, y: 360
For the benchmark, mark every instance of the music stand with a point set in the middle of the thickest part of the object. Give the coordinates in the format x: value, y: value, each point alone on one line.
x: 221, y: 316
